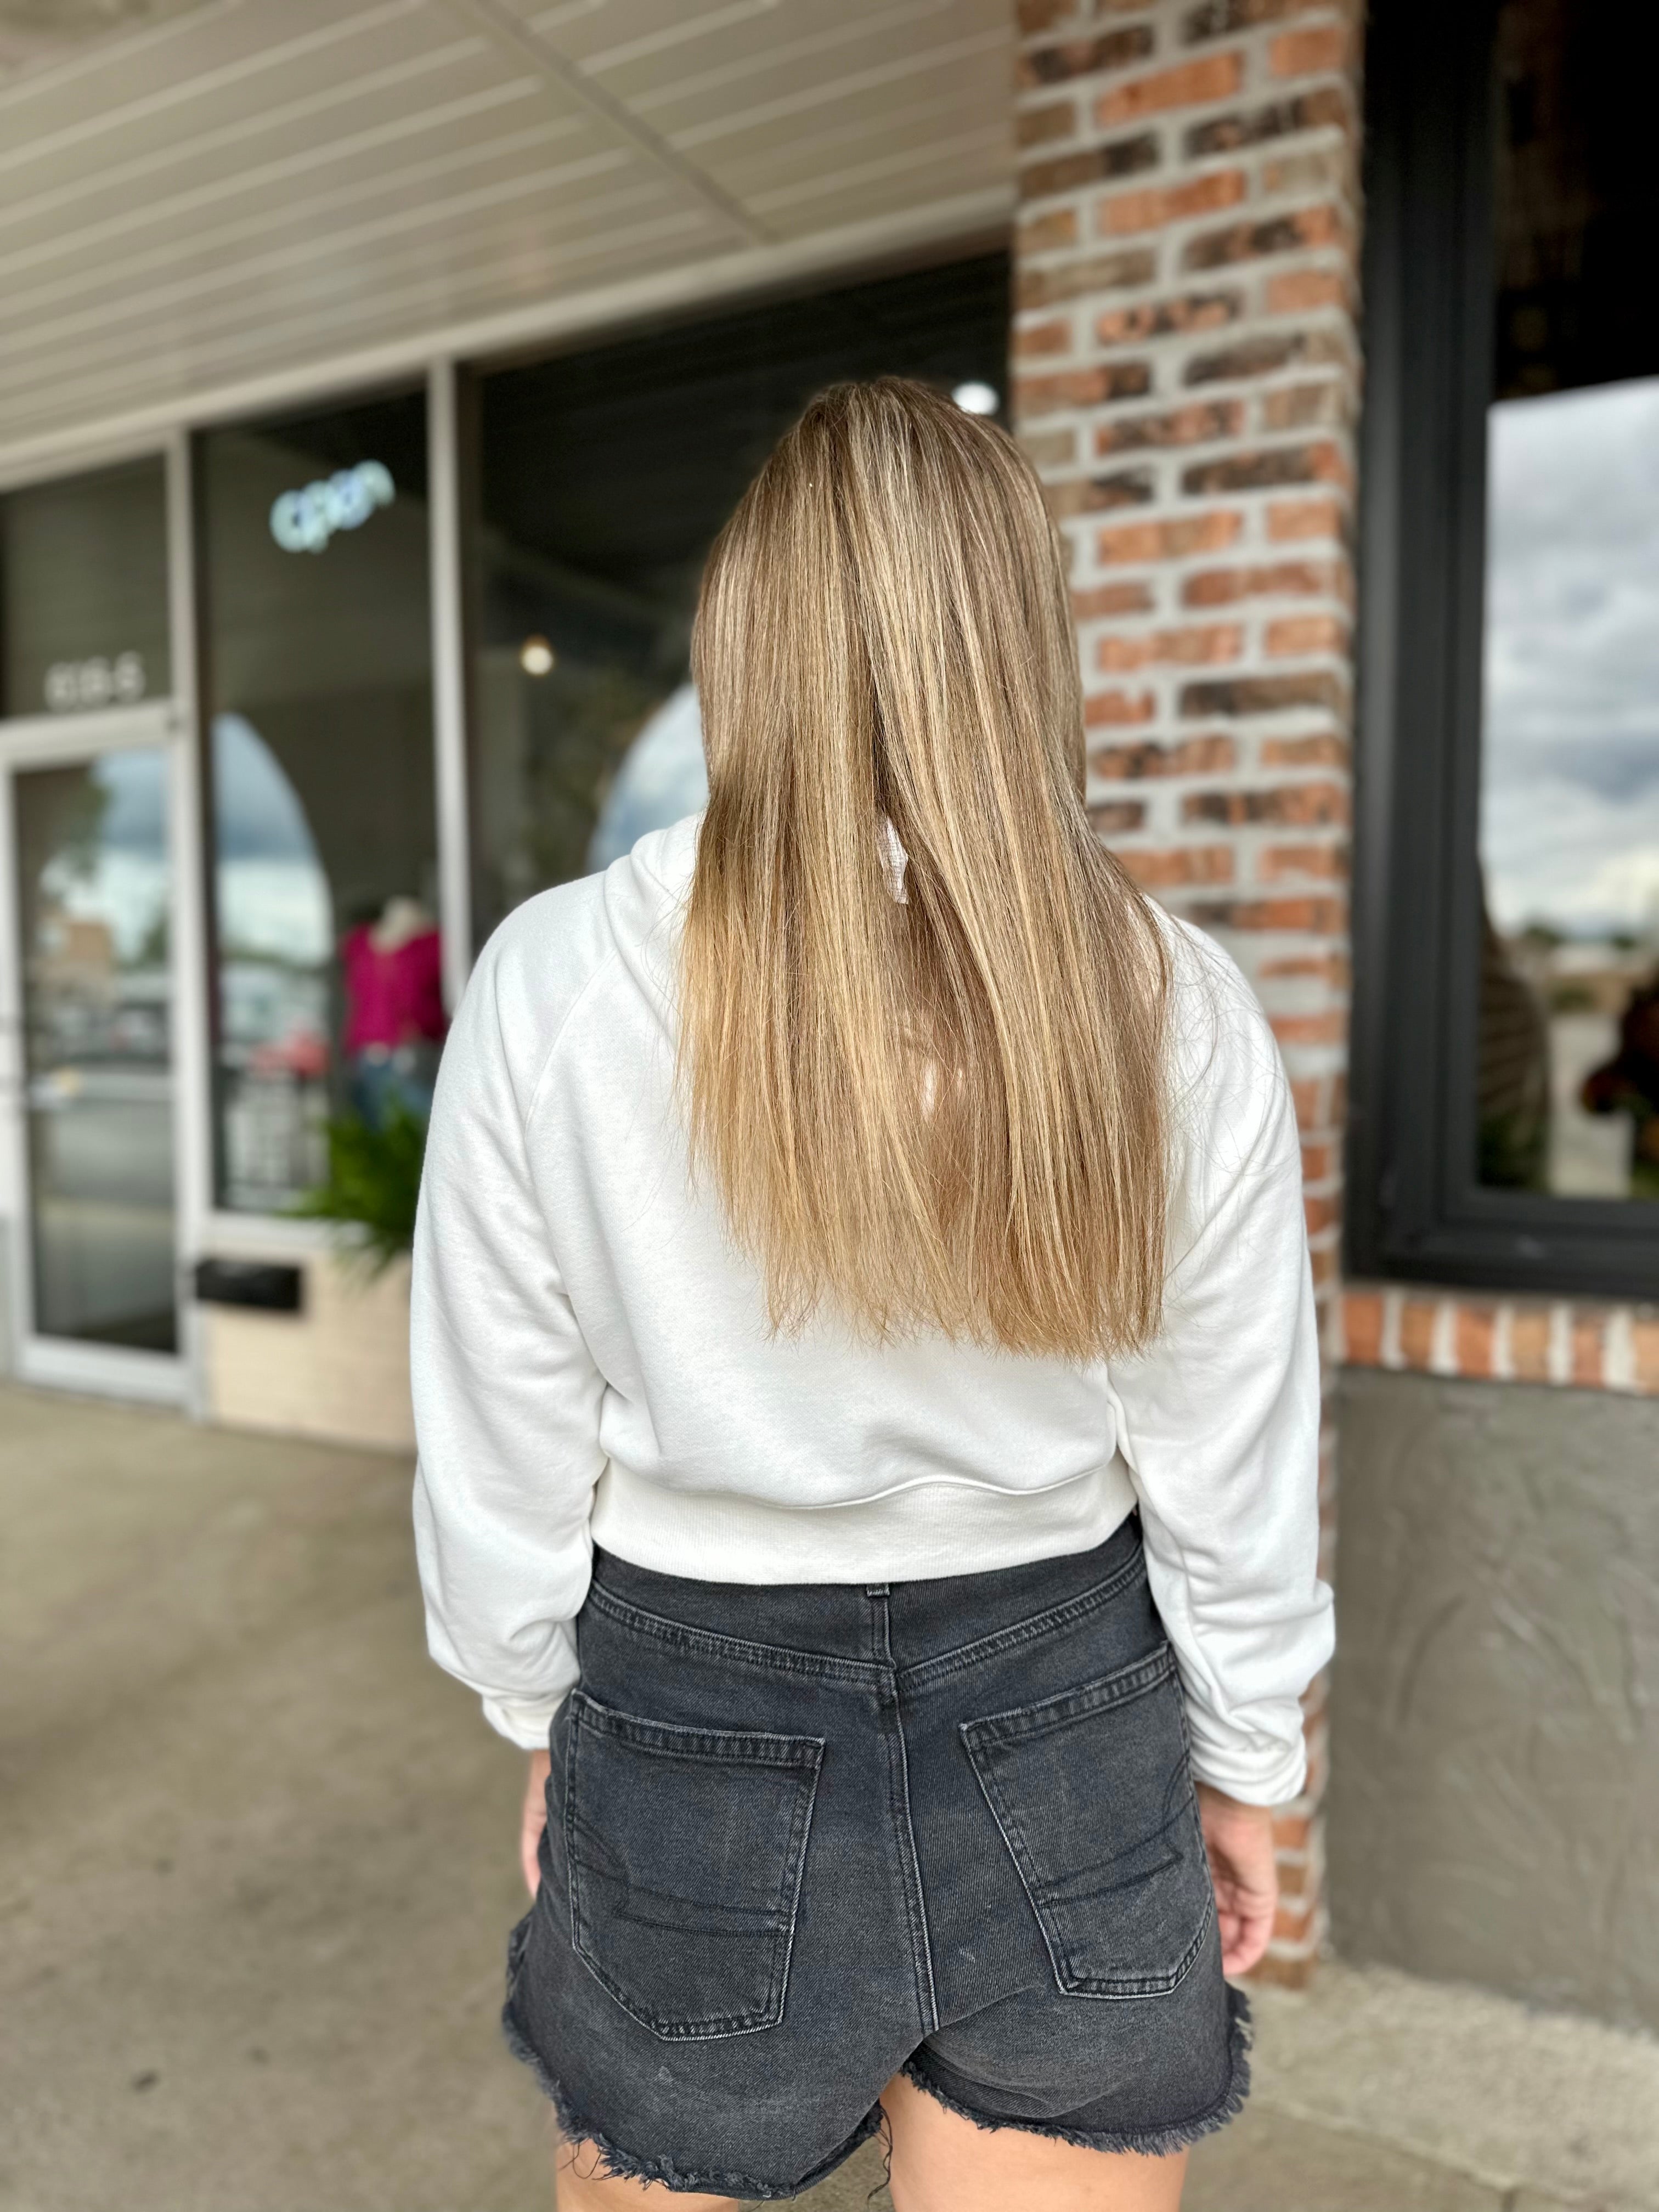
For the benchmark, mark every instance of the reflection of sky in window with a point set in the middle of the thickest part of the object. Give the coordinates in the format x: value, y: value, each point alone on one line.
x: 662, y: 778
x: 1569, y: 801
x: 273, y: 894
x: 122, y: 882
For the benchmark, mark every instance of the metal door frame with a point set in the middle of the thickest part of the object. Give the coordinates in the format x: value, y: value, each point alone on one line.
x: 64, y: 740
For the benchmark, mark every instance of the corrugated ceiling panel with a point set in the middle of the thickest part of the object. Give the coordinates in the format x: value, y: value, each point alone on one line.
x: 731, y: 70
x: 900, y: 115
x: 638, y: 44
x: 928, y: 172
x: 263, y: 183
x: 554, y: 239
x: 417, y: 297
x: 218, y: 214
x: 543, y: 215
x: 582, y: 28
x: 273, y: 251
x: 143, y: 183
x: 170, y: 82
x: 375, y: 120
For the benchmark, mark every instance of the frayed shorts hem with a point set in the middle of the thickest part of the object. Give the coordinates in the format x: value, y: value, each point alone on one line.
x: 1148, y: 2143
x: 632, y: 2165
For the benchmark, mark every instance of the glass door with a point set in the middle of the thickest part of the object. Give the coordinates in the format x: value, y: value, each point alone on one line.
x: 91, y: 955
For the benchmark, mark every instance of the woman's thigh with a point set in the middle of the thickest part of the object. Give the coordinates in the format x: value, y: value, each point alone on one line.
x: 583, y: 2187
x: 942, y: 2162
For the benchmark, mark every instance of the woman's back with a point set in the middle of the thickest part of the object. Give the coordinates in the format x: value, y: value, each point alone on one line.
x: 865, y: 1375
x: 572, y: 1265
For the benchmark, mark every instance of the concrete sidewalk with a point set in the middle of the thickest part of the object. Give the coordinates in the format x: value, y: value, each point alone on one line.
x: 256, y: 1865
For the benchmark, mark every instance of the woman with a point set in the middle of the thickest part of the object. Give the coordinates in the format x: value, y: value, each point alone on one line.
x: 866, y: 1386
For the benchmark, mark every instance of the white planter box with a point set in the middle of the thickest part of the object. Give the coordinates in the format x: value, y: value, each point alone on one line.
x: 338, y: 1369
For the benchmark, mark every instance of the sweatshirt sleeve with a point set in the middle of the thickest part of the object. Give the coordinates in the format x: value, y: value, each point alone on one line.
x: 1221, y: 1412
x: 506, y: 1396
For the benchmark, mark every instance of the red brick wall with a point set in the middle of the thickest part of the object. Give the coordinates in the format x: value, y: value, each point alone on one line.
x: 1579, y: 1344
x: 1187, y: 376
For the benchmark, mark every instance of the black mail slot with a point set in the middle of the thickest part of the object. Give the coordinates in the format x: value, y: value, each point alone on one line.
x: 261, y: 1283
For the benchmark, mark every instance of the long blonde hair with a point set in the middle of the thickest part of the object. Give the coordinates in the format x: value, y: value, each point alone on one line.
x: 946, y: 1111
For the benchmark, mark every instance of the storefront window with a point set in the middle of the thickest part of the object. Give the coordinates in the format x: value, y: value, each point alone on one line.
x: 314, y: 586
x: 1504, y: 1041
x: 92, y: 897
x: 1569, y: 1057
x: 84, y: 591
x: 602, y: 478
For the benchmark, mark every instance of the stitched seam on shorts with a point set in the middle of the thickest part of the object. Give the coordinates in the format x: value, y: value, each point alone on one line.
x: 722, y: 2028
x: 1121, y: 1687
x: 744, y: 1746
x: 576, y: 2127
x: 737, y: 1650
x: 891, y: 1719
x: 925, y: 1672
x: 1127, y: 1988
x: 923, y: 2068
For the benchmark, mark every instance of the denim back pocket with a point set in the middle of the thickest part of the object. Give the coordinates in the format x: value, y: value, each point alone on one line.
x: 686, y: 1848
x: 1094, y: 1796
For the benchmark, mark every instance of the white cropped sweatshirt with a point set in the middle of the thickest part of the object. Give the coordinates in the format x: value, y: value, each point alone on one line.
x: 592, y: 1363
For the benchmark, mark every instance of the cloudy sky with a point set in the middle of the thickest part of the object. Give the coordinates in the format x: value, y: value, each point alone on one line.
x: 125, y: 886
x: 273, y: 894
x: 1570, y: 813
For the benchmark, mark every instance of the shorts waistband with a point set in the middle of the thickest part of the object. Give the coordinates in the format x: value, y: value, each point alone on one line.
x: 934, y: 1627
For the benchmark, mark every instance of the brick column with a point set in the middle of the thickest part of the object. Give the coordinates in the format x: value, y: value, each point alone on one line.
x: 1186, y: 360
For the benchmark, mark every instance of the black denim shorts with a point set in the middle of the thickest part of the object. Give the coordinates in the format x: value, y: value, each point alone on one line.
x: 803, y: 1838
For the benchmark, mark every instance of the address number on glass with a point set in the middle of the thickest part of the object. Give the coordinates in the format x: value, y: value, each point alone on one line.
x: 100, y: 682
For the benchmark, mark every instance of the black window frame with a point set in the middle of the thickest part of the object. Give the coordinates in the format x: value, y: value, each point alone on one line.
x: 1415, y: 1210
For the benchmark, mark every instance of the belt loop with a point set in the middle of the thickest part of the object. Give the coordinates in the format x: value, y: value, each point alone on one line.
x: 876, y: 1589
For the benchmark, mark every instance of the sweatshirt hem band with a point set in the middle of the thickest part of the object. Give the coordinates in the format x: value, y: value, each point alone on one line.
x: 918, y: 1534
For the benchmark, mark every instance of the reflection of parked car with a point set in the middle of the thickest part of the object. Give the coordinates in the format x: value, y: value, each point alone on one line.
x: 265, y: 1000
x: 1629, y: 1082
x: 138, y: 1032
x: 1514, y: 1089
x: 301, y: 1053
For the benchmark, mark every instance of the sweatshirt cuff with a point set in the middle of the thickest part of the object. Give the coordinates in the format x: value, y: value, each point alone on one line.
x: 1255, y: 1770
x: 523, y: 1721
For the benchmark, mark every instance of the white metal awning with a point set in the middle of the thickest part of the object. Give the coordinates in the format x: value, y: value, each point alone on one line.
x: 224, y: 200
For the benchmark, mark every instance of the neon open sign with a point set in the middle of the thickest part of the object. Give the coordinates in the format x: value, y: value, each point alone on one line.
x: 303, y: 521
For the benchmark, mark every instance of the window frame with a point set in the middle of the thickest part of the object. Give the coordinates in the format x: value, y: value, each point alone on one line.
x: 1412, y: 1211
x: 232, y: 1229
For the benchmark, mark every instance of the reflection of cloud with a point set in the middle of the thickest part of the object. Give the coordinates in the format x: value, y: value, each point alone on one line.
x: 124, y: 881
x: 134, y: 813
x: 127, y: 889
x: 662, y: 777
x: 1570, y: 816
x: 273, y: 895
x: 256, y: 812
x: 1616, y: 768
x: 279, y: 906
x: 1570, y: 857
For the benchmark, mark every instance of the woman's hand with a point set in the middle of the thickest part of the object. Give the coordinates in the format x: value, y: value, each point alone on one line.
x: 535, y: 1819
x: 1239, y: 1839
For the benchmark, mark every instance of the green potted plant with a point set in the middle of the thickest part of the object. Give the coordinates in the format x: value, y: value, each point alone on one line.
x: 373, y: 1183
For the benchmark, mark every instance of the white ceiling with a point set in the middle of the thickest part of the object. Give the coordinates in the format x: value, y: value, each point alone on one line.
x: 232, y: 190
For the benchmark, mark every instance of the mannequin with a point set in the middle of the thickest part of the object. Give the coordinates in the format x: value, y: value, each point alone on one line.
x: 395, y: 1019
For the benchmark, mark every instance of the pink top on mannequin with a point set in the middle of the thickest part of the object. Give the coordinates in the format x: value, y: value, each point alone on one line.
x: 394, y: 979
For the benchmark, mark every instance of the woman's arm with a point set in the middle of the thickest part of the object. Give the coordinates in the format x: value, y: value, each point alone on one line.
x: 506, y: 1396
x: 1243, y: 1872
x: 535, y: 1819
x: 1221, y: 1412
